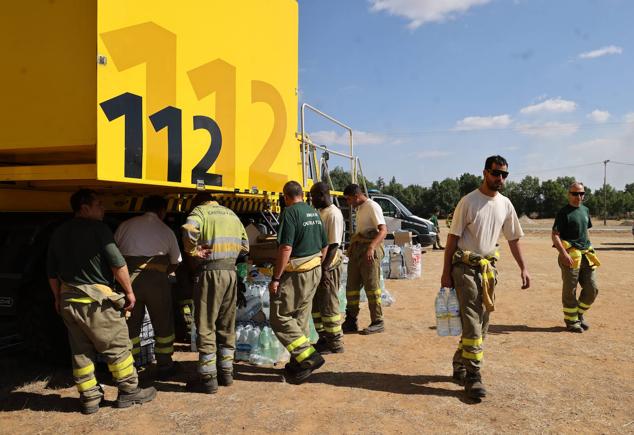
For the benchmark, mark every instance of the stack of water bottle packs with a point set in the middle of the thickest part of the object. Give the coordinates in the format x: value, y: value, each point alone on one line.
x: 402, y: 261
x: 447, y: 309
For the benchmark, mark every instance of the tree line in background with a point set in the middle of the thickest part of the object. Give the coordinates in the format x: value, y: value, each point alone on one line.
x: 530, y: 196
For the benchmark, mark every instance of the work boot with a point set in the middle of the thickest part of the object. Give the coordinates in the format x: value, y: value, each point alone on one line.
x: 138, y: 396
x: 583, y: 323
x: 325, y: 347
x: 168, y: 372
x: 225, y: 378
x: 205, y: 385
x: 90, y: 407
x: 298, y: 373
x: 350, y: 325
x: 474, y: 387
x: 374, y: 328
x: 574, y: 327
x: 459, y: 375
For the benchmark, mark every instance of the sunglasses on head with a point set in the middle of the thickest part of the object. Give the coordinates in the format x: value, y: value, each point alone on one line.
x: 577, y: 193
x: 497, y: 173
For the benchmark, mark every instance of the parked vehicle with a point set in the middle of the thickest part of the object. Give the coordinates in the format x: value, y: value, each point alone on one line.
x: 422, y: 230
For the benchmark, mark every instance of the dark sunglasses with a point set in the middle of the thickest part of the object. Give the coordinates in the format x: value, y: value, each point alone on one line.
x: 577, y: 193
x: 497, y: 173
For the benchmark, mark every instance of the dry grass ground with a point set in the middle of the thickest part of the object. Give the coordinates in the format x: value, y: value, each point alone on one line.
x: 540, y: 378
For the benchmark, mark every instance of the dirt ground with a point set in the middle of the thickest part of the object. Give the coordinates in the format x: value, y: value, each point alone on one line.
x: 539, y: 377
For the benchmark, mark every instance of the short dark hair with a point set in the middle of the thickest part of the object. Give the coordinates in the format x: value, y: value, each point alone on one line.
x: 293, y: 189
x: 155, y: 203
x: 499, y: 160
x: 82, y: 197
x: 201, y: 198
x: 321, y: 187
x: 352, y: 190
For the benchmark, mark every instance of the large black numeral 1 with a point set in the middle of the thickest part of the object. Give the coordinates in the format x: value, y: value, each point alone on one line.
x: 131, y: 107
x: 199, y: 173
x: 171, y: 118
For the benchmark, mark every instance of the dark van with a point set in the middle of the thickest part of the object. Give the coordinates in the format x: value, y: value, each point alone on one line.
x: 422, y: 230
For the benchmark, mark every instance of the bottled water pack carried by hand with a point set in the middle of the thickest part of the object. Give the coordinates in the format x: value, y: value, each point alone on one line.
x: 453, y: 307
x: 442, y: 313
x: 447, y: 309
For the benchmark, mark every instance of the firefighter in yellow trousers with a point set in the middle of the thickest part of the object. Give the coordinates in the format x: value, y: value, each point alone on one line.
x: 326, y: 315
x: 297, y: 273
x: 151, y: 252
x: 83, y: 262
x: 364, y: 261
x: 470, y: 266
x: 214, y: 238
x: 577, y: 259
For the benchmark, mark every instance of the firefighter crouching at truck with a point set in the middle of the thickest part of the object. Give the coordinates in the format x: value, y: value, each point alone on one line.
x: 577, y: 258
x: 214, y: 237
x: 364, y: 261
x: 82, y: 261
x: 151, y: 251
x: 326, y: 314
x: 302, y: 242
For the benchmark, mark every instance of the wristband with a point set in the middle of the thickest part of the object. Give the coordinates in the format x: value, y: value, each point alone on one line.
x: 275, y: 279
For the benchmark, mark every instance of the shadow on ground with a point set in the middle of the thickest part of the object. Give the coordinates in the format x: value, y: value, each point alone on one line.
x: 390, y: 383
x: 507, y: 329
x: 19, y: 400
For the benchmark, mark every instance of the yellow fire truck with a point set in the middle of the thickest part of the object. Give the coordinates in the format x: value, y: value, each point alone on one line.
x: 132, y: 98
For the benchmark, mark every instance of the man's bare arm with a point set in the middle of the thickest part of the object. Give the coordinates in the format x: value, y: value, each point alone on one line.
x: 122, y: 276
x: 563, y: 254
x: 450, y: 248
x: 516, y: 250
x: 55, y: 288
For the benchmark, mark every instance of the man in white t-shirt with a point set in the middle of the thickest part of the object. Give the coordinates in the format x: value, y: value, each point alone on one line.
x: 326, y: 315
x: 364, y: 261
x: 469, y: 266
x: 151, y: 251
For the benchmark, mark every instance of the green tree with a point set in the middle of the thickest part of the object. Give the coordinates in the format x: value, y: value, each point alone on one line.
x: 341, y: 178
x: 554, y: 197
x: 445, y: 194
x: 530, y: 192
x: 468, y: 183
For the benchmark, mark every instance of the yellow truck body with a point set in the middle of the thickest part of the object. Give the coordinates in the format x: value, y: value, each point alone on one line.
x: 132, y: 97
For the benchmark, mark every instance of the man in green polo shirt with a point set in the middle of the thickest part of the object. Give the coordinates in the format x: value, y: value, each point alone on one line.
x: 82, y: 265
x: 302, y: 242
x: 577, y: 258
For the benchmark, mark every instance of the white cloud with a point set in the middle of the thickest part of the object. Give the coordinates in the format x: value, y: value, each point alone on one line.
x: 599, y: 116
x: 548, y: 129
x: 419, y: 12
x: 483, y: 122
x: 431, y: 154
x: 629, y: 118
x: 329, y: 138
x: 557, y: 105
x: 598, y: 145
x: 603, y: 51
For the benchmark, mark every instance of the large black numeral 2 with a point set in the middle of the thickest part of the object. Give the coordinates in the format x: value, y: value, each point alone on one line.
x: 171, y: 118
x: 131, y: 107
x: 200, y: 170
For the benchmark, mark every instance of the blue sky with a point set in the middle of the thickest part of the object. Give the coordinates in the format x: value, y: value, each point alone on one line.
x: 432, y: 87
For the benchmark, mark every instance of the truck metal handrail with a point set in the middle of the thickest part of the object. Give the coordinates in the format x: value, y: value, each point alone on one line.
x: 306, y: 142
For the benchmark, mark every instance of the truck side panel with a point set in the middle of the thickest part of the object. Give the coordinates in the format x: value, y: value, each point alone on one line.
x: 199, y: 93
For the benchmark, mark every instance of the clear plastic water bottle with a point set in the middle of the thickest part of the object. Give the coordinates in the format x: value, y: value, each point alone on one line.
x: 442, y: 313
x: 453, y: 307
x: 242, y: 353
x: 312, y: 336
x: 252, y: 339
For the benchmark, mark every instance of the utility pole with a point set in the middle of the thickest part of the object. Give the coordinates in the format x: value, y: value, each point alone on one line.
x: 605, y: 193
